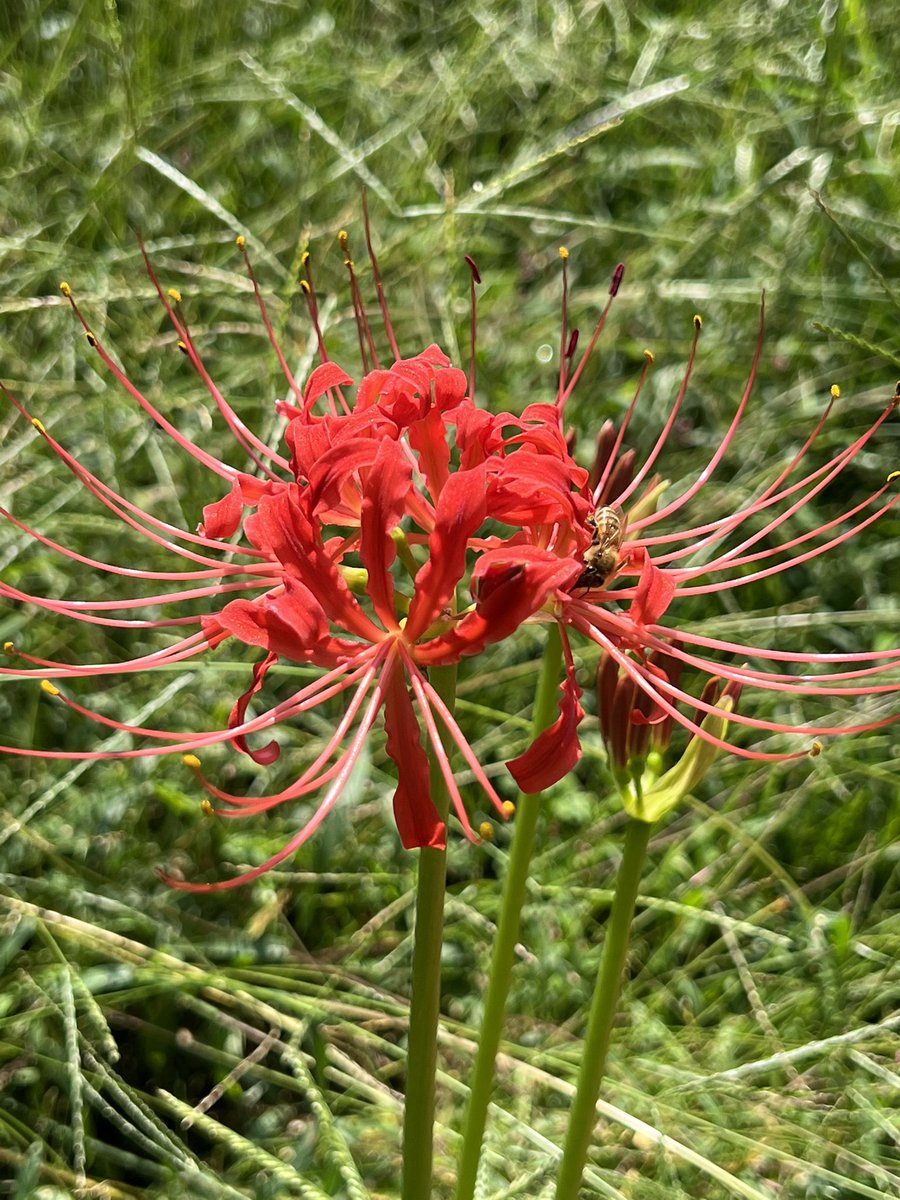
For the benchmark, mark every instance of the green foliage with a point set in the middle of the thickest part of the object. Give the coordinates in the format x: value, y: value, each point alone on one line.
x: 251, y: 1043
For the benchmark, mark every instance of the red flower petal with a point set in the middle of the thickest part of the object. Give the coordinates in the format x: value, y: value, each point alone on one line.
x: 449, y: 388
x: 554, y: 752
x: 460, y: 511
x: 384, y: 499
x: 428, y: 438
x: 221, y: 518
x: 417, y: 818
x: 289, y: 624
x: 533, y: 489
x: 282, y: 529
x: 510, y: 585
x: 654, y: 591
x: 323, y: 378
x: 268, y: 753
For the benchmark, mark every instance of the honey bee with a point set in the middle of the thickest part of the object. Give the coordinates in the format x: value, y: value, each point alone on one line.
x: 602, y: 556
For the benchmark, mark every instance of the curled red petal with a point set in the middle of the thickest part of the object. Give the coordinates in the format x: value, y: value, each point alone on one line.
x: 460, y: 511
x: 290, y: 623
x: 533, y: 489
x: 449, y: 388
x: 428, y: 438
x: 510, y: 585
x: 265, y: 754
x: 417, y: 818
x: 322, y: 380
x: 283, y: 530
x: 654, y: 593
x: 554, y: 752
x: 221, y: 518
x: 384, y: 500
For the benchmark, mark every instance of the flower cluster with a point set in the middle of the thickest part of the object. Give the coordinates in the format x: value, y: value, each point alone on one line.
x: 407, y: 528
x: 653, y: 570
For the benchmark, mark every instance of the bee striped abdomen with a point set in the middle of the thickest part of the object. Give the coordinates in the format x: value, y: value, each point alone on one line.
x: 602, y: 556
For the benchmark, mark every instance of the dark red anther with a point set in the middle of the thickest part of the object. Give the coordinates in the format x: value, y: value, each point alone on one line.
x: 618, y: 275
x: 573, y: 342
x: 476, y: 274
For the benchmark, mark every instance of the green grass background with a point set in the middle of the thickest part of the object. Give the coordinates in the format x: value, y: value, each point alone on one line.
x: 691, y: 141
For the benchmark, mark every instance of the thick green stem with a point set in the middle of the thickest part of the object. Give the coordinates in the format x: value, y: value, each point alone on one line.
x: 503, y: 956
x: 421, y: 1059
x: 582, y: 1117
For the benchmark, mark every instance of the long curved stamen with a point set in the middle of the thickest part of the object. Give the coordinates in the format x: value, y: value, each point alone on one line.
x: 250, y: 443
x: 241, y: 243
x: 613, y: 458
x: 208, y: 460
x: 473, y: 322
x: 644, y: 682
x: 739, y: 718
x: 666, y: 633
x: 325, y: 806
x: 739, y: 581
x: 420, y: 683
x: 717, y: 457
x: 123, y: 507
x: 831, y: 469
x: 189, y: 647
x: 617, y: 277
x: 73, y: 607
x: 63, y: 607
x: 805, y: 685
x: 766, y: 499
x: 563, y: 328
x: 304, y: 783
x: 376, y: 275
x: 263, y: 570
x: 367, y: 352
x: 733, y: 558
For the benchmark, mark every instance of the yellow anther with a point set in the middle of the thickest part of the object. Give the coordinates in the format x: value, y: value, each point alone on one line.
x: 835, y: 392
x: 304, y: 258
x: 65, y: 289
x: 815, y: 749
x: 91, y: 340
x: 206, y: 807
x: 343, y: 240
x: 648, y: 355
x: 893, y: 477
x: 304, y: 287
x: 9, y: 647
x: 49, y: 688
x: 563, y: 253
x: 241, y: 242
x: 175, y: 295
x: 348, y: 263
x: 698, y: 322
x: 508, y: 808
x: 182, y: 346
x: 486, y: 831
x: 192, y: 761
x: 39, y: 425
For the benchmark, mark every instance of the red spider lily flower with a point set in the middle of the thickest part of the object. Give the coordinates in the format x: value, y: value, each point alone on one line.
x: 632, y: 575
x: 397, y: 482
x: 356, y: 546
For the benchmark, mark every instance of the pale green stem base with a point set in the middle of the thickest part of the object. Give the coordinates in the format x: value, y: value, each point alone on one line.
x: 421, y: 1059
x: 582, y: 1116
x: 502, y: 959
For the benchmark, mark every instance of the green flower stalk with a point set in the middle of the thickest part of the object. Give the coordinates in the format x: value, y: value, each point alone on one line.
x: 646, y: 799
